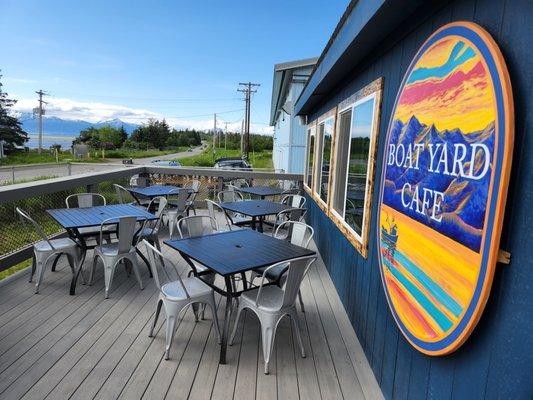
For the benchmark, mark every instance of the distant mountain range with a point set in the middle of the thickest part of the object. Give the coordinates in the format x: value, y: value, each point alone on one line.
x: 463, y: 208
x: 66, y: 127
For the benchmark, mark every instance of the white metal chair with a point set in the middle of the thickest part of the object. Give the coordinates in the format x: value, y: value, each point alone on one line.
x: 213, y: 208
x: 112, y: 254
x: 177, y: 207
x: 229, y: 196
x: 44, y: 250
x: 290, y: 214
x: 84, y: 200
x: 271, y: 303
x: 123, y: 196
x: 299, y: 234
x: 177, y: 295
x: 240, y: 182
x: 294, y: 200
x: 150, y: 231
x: 194, y: 186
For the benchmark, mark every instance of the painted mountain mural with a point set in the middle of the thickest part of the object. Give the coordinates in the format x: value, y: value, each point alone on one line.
x: 462, y: 211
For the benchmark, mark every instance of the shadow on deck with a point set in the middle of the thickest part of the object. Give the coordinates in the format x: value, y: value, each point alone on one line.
x: 57, y: 346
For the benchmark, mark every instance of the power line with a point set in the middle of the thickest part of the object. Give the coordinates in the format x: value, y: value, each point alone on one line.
x: 171, y: 99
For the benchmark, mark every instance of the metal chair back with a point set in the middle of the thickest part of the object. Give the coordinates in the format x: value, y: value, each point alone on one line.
x: 159, y: 262
x: 239, y: 183
x: 36, y: 226
x: 123, y: 196
x: 294, y: 200
x: 212, y: 206
x: 197, y: 225
x: 125, y: 232
x: 84, y: 200
x: 229, y: 196
x: 296, y: 271
x: 160, y: 204
x: 299, y: 234
x: 178, y: 198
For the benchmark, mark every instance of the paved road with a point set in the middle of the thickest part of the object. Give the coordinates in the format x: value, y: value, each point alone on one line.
x: 54, y: 170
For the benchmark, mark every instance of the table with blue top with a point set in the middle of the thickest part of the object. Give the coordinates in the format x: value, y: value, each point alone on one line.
x: 261, y: 191
x: 72, y: 219
x: 257, y: 209
x: 150, y: 192
x: 234, y: 252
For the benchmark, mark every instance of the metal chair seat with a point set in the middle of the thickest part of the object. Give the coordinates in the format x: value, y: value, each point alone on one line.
x: 95, y: 230
x: 58, y: 244
x: 109, y: 249
x: 194, y: 286
x: 271, y: 299
x: 273, y: 274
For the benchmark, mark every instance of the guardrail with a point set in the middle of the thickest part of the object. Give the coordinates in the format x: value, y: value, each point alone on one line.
x: 16, y: 239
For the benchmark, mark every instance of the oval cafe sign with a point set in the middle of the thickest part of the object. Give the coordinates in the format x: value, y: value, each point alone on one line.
x: 443, y: 186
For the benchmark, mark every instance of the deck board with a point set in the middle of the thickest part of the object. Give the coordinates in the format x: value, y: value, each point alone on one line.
x: 53, y: 345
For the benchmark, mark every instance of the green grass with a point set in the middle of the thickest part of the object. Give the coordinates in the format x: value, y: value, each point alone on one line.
x: 206, y: 159
x: 10, y: 271
x: 33, y: 157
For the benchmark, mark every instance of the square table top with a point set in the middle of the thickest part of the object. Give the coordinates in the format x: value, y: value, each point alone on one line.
x: 84, y: 217
x: 261, y: 190
x: 255, y: 208
x: 152, y: 191
x: 233, y: 252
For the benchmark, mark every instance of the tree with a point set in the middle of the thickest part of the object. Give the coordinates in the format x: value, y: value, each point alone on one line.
x: 154, y: 132
x: 11, y: 131
x: 89, y: 136
x: 123, y: 134
x: 110, y: 135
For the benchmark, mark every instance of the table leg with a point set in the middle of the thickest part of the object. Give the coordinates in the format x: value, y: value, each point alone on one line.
x: 260, y: 227
x: 254, y: 219
x: 83, y: 246
x: 227, y: 316
x: 145, y: 261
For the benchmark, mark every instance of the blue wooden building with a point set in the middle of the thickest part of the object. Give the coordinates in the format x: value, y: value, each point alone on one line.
x: 360, y: 71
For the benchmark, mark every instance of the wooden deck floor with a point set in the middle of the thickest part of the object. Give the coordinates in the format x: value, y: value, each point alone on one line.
x: 57, y: 346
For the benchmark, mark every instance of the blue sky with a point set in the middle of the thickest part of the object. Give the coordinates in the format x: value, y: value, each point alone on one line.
x: 179, y: 59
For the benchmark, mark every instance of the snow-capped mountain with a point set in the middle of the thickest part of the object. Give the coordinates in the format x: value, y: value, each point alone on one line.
x: 67, y: 127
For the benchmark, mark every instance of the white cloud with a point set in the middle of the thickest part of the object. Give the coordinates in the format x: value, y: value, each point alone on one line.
x: 65, y: 108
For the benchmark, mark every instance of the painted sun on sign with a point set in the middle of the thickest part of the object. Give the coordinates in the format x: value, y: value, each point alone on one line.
x: 444, y: 184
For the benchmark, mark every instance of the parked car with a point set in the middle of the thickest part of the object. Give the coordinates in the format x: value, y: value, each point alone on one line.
x: 232, y: 163
x: 166, y: 163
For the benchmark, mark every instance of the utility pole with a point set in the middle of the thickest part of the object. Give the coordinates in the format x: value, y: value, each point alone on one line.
x: 247, y: 90
x: 214, y: 133
x: 226, y: 137
x: 39, y: 111
x: 242, y: 136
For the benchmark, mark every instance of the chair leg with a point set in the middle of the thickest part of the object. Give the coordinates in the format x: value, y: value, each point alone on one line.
x: 55, y: 262
x: 234, y: 331
x: 171, y: 326
x: 135, y: 266
x: 91, y: 275
x: 33, y: 266
x: 301, y: 301
x: 156, y: 316
x: 213, y: 307
x: 109, y: 271
x: 267, y: 340
x: 39, y: 270
x: 296, y: 328
x: 71, y: 262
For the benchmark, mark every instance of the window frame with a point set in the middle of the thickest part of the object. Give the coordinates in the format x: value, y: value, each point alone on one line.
x: 373, y: 90
x: 319, y: 142
x: 311, y: 132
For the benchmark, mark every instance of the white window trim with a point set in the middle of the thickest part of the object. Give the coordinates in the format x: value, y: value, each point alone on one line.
x: 318, y: 169
x: 311, y: 131
x: 332, y: 209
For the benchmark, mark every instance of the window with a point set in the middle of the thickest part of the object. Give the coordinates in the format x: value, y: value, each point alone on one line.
x: 353, y: 170
x: 310, y: 157
x: 324, y: 138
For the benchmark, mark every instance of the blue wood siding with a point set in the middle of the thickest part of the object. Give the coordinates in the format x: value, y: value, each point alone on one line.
x: 497, y: 359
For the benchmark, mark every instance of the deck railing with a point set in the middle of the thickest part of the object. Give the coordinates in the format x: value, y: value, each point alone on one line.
x: 16, y: 238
